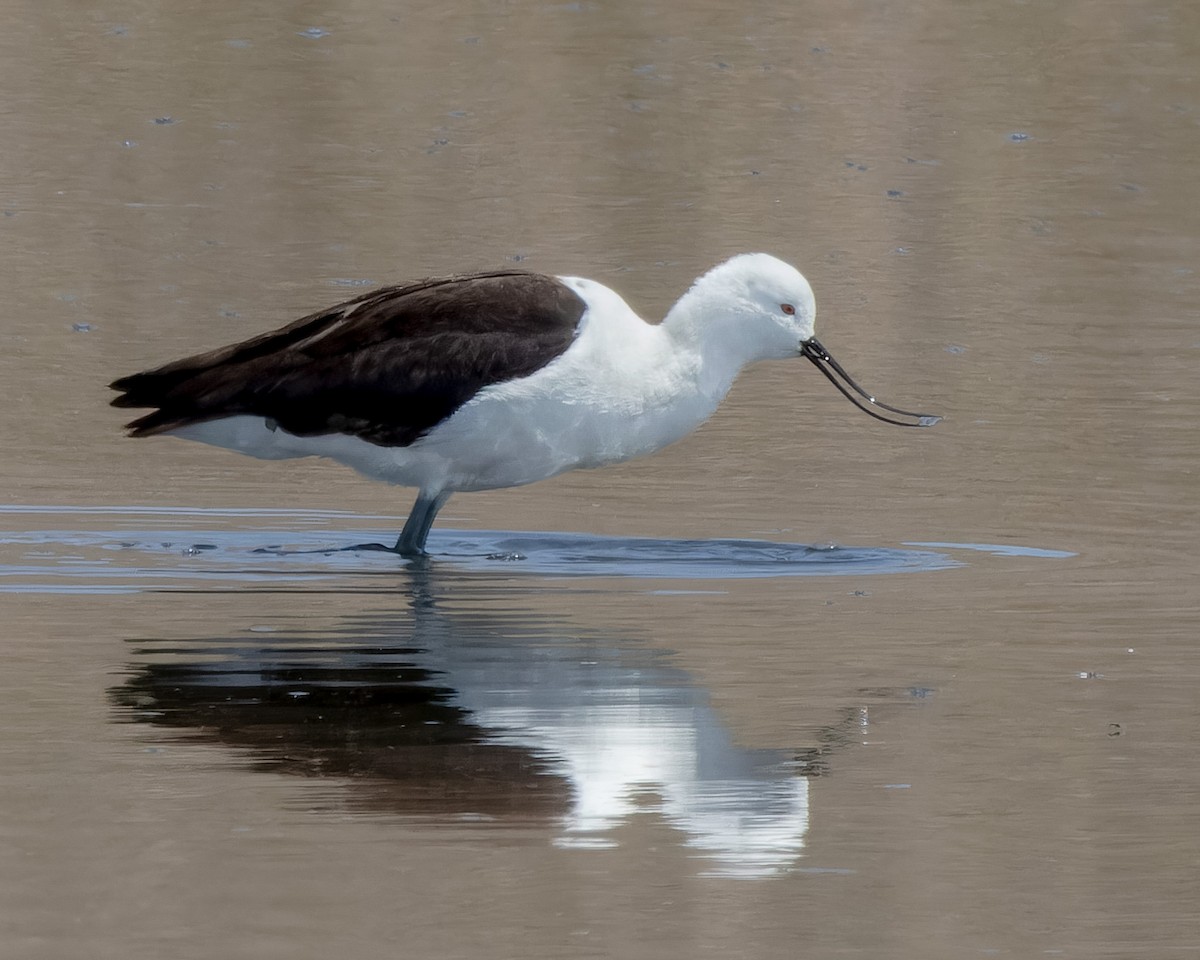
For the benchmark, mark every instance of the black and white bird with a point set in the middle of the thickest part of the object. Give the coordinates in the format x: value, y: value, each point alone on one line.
x: 488, y: 380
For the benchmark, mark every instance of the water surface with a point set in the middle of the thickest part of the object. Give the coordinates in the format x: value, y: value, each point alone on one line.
x: 665, y: 730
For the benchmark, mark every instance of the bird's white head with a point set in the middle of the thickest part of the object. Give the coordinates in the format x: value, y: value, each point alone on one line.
x: 756, y: 307
x: 754, y: 301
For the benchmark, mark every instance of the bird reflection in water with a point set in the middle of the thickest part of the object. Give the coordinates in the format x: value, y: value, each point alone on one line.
x: 490, y: 715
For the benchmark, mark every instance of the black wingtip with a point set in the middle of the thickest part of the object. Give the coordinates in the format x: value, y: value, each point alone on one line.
x: 136, y: 391
x: 153, y: 424
x: 133, y: 392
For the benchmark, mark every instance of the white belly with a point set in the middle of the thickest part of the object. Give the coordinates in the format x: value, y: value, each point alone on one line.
x: 490, y: 442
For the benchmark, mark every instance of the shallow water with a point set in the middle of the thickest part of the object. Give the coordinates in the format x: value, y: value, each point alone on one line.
x: 293, y: 548
x: 800, y: 685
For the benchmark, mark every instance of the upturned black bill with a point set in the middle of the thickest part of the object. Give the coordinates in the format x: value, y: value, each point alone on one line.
x: 821, y: 359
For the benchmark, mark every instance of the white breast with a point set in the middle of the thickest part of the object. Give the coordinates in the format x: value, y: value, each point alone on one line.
x: 621, y: 390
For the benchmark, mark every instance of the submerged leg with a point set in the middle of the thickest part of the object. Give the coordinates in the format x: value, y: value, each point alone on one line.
x: 420, y: 519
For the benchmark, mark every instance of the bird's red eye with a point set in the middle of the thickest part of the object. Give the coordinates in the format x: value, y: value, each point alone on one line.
x: 788, y: 309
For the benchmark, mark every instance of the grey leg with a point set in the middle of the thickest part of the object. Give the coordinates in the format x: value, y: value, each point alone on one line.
x: 416, y: 527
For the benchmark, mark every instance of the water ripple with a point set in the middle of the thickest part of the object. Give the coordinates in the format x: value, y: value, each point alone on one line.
x: 139, y: 551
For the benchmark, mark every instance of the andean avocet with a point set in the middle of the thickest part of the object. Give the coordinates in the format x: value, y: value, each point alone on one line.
x: 489, y: 380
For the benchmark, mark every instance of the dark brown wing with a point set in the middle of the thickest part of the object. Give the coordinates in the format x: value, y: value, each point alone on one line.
x: 387, y: 366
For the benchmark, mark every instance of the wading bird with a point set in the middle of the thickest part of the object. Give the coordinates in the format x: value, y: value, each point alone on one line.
x: 489, y: 380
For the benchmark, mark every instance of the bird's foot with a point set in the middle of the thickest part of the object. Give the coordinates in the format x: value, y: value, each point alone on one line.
x: 398, y: 550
